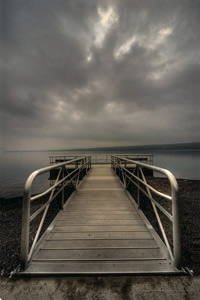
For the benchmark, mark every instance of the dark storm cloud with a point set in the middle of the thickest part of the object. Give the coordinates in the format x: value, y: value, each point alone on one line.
x: 100, y: 72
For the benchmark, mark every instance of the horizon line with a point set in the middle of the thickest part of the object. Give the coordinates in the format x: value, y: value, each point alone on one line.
x: 103, y: 147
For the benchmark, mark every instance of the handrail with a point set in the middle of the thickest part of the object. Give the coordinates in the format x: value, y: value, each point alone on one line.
x: 81, y: 163
x: 120, y: 163
x: 103, y: 158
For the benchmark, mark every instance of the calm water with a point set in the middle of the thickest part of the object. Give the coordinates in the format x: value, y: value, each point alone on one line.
x: 16, y: 167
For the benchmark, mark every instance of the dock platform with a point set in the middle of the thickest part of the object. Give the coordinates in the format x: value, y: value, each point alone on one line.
x: 100, y: 231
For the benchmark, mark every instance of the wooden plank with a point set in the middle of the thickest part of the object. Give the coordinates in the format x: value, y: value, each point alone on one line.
x: 107, y: 198
x: 101, y: 212
x: 119, y: 190
x: 85, y: 204
x: 98, y: 177
x: 104, y: 193
x: 100, y: 189
x: 100, y: 198
x: 100, y: 235
x: 98, y: 244
x: 93, y: 200
x: 64, y: 222
x: 95, y: 206
x: 98, y: 217
x: 127, y: 267
x: 100, y: 184
x: 102, y: 202
x: 79, y: 205
x: 90, y: 228
x: 98, y: 254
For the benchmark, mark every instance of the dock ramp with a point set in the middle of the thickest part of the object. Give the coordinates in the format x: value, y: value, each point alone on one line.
x: 100, y: 231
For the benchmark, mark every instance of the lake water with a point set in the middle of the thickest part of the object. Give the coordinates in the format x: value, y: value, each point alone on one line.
x: 16, y: 167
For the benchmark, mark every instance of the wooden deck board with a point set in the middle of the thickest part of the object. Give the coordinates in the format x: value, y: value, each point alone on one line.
x: 101, y: 212
x: 84, y: 222
x: 114, y: 206
x: 99, y: 232
x: 102, y: 228
x: 87, y: 217
x: 99, y: 244
x: 99, y: 235
x: 127, y: 267
x: 98, y: 254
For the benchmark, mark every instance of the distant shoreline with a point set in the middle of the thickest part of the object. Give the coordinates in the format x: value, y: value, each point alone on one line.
x: 165, y: 147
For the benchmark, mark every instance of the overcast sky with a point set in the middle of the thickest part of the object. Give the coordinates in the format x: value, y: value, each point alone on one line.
x: 99, y: 73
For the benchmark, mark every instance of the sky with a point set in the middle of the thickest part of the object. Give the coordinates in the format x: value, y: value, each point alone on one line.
x: 89, y: 73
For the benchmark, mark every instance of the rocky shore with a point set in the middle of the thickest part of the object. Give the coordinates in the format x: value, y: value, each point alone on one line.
x: 189, y: 195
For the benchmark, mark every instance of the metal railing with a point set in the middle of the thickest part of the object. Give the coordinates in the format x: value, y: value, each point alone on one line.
x: 137, y: 177
x: 65, y: 176
x: 147, y: 158
x: 95, y: 158
x: 103, y: 158
x: 55, y: 159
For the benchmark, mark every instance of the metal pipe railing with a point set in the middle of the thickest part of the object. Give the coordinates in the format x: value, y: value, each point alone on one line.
x: 81, y: 163
x: 139, y: 180
x: 103, y: 158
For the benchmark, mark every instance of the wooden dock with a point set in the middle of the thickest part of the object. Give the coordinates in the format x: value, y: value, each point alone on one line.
x: 100, y: 231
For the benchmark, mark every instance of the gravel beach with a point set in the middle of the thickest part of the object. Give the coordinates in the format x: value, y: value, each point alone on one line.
x: 189, y: 191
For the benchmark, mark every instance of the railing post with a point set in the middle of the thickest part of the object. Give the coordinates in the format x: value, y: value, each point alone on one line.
x: 25, y: 230
x: 176, y: 229
x: 138, y: 190
x: 89, y: 162
x: 63, y: 191
x: 85, y: 162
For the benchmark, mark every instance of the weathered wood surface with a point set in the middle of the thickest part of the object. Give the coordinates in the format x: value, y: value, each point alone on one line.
x: 100, y: 231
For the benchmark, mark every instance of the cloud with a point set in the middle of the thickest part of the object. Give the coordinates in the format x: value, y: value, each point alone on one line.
x: 95, y: 73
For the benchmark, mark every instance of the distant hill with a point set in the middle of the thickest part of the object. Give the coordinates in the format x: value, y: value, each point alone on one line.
x: 178, y: 146
x: 155, y: 147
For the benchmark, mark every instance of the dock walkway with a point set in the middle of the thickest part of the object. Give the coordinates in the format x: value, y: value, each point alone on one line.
x: 100, y: 231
